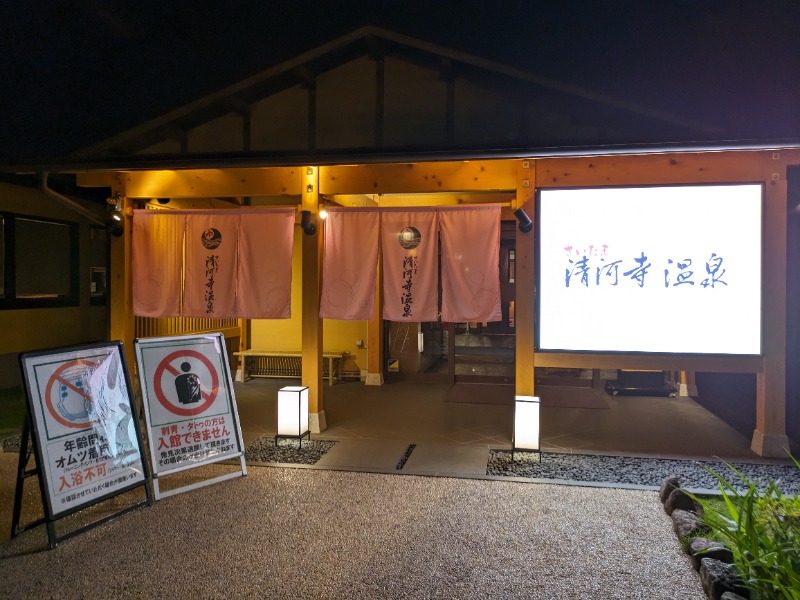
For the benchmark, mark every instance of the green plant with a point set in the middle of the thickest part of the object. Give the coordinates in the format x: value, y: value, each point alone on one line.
x: 12, y: 409
x: 762, y: 531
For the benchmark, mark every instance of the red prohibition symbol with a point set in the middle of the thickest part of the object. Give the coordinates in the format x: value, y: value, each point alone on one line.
x: 70, y: 377
x: 167, y: 366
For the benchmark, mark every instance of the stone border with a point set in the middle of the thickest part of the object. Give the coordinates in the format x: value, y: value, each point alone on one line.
x: 712, y: 560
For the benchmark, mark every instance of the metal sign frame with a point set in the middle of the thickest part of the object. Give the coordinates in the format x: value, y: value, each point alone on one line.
x: 189, y: 406
x: 84, y: 428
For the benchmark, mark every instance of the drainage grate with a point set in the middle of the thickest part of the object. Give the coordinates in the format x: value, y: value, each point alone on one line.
x: 402, y: 462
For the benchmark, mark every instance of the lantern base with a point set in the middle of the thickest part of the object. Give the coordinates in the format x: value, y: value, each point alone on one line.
x: 299, y: 438
x: 514, y: 450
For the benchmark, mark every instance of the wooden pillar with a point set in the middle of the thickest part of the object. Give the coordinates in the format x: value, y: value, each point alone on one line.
x: 123, y: 325
x: 244, y: 344
x: 312, y: 283
x: 524, y: 302
x: 597, y: 379
x: 686, y: 384
x: 769, y: 437
x: 375, y: 335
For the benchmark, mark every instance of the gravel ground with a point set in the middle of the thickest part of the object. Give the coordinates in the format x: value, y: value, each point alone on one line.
x: 327, y: 534
x: 265, y: 450
x: 637, y: 471
x: 303, y: 533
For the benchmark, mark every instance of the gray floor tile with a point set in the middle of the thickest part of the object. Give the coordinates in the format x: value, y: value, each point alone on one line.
x: 447, y: 459
x: 373, y: 455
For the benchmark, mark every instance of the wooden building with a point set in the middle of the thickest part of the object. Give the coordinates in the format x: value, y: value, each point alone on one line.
x: 380, y: 120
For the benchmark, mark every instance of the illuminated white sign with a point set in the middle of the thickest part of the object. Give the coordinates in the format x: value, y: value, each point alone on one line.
x: 672, y: 269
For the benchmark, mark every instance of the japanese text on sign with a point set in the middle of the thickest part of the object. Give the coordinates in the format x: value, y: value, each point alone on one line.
x: 594, y: 266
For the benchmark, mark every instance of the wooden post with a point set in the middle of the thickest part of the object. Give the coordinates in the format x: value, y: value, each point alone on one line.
x: 769, y: 437
x: 375, y: 335
x: 244, y: 344
x: 311, y: 323
x: 123, y: 325
x: 524, y: 302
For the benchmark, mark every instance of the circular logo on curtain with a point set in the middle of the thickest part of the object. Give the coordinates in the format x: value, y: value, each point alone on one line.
x: 409, y: 238
x: 211, y: 238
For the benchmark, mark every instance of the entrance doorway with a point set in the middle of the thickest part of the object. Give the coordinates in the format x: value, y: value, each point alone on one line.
x: 467, y: 352
x: 484, y: 352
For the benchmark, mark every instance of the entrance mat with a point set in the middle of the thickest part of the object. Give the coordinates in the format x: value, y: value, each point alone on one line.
x: 551, y: 396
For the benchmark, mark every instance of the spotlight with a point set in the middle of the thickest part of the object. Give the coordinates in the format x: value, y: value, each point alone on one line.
x: 114, y: 227
x: 305, y: 223
x: 525, y: 223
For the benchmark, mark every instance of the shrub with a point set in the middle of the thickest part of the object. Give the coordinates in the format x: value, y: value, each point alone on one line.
x: 763, y: 533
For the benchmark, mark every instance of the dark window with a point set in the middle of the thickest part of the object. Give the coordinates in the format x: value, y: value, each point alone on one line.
x: 40, y: 262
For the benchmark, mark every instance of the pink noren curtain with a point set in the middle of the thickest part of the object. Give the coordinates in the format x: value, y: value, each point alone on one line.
x: 264, y: 280
x: 156, y: 263
x: 470, y: 269
x: 210, y: 266
x: 350, y: 264
x: 409, y: 243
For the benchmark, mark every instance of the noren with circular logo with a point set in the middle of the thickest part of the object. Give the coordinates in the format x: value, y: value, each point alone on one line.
x: 410, y: 238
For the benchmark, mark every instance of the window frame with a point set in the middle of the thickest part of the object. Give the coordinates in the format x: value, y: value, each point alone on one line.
x: 9, y: 300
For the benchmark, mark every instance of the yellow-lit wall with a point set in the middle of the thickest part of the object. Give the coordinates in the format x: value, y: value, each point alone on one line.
x: 286, y: 334
x: 23, y: 330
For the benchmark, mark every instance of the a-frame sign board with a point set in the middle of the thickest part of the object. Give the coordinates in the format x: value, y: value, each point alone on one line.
x: 189, y: 406
x: 85, y: 434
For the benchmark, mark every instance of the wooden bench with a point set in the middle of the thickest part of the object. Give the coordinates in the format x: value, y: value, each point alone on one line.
x: 278, y: 364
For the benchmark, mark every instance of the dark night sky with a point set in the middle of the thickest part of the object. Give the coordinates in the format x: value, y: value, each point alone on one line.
x: 76, y: 71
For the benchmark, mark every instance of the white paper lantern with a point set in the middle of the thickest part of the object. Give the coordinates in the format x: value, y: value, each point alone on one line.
x: 293, y: 412
x: 526, y: 423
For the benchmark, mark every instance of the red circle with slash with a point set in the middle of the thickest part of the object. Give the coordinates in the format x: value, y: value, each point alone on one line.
x: 166, y: 366
x: 57, y: 377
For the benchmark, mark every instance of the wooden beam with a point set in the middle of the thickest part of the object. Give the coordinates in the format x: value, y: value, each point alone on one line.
x: 445, y: 176
x: 654, y: 169
x: 649, y: 362
x: 399, y: 200
x: 203, y: 183
x: 354, y: 200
